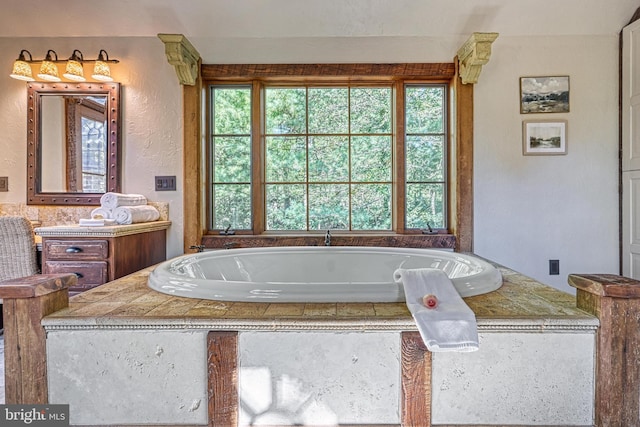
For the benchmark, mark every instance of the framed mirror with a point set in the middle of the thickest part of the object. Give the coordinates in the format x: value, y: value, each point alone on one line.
x: 73, y: 142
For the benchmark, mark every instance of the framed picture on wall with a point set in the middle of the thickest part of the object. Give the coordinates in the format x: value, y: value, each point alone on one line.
x: 544, y: 94
x: 547, y: 137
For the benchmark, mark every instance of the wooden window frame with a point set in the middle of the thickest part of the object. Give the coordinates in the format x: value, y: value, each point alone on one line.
x: 460, y: 152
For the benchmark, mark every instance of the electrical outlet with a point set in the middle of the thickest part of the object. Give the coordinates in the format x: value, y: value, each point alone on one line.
x: 4, y: 183
x: 554, y: 267
x: 166, y: 183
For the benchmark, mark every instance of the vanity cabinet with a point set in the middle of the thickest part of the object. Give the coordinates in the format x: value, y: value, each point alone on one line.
x: 100, y: 254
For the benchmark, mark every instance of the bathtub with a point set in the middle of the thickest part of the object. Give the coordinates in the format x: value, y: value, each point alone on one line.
x: 314, y: 274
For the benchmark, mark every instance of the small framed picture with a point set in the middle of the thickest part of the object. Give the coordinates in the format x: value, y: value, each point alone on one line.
x: 546, y: 137
x: 544, y: 94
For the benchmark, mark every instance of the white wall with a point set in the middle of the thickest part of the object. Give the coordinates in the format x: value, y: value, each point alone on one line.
x: 530, y: 209
x: 527, y: 209
x: 151, y: 117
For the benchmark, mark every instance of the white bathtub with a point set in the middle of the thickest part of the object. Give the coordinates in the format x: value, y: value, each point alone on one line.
x: 314, y: 273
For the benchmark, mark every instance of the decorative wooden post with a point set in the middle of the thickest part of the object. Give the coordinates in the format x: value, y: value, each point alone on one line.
x: 222, y: 364
x: 615, y: 300
x: 416, y: 381
x: 25, y: 302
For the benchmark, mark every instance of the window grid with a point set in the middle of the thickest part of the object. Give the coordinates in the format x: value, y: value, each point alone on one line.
x: 349, y: 183
x: 308, y: 137
x: 433, y: 217
x: 224, y: 211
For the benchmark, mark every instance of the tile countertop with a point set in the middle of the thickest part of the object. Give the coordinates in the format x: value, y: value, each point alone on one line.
x: 521, y: 304
x: 102, y: 231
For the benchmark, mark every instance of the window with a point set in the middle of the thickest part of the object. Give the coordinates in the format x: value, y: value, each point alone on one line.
x: 94, y: 147
x: 425, y: 148
x: 291, y: 156
x: 328, y: 158
x: 231, y: 157
x: 86, y: 144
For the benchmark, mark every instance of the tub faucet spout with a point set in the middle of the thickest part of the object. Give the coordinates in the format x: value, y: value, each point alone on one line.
x: 327, y: 238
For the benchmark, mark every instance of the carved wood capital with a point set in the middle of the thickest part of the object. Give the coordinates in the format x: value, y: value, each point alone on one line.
x: 473, y: 54
x: 183, y: 56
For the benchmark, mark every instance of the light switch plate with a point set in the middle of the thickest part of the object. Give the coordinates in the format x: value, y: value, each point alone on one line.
x: 4, y: 183
x: 166, y: 183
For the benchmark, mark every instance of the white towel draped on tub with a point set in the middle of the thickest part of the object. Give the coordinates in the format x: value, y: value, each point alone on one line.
x: 113, y: 200
x: 451, y: 325
x: 135, y: 214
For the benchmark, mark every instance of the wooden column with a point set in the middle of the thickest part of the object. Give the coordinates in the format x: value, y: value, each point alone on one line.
x: 462, y: 152
x: 416, y: 381
x: 25, y: 302
x: 193, y: 207
x: 222, y: 366
x: 615, y: 300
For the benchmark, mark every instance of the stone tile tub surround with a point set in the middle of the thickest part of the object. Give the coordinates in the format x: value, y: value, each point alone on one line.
x: 116, y: 346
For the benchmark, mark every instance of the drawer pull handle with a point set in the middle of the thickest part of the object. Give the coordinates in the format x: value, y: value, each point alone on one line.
x: 79, y: 275
x: 73, y: 250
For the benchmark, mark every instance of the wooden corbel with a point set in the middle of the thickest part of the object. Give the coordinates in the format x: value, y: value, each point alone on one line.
x: 183, y: 56
x: 473, y: 54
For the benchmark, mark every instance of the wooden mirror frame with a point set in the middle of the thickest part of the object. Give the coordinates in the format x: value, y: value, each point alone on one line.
x: 35, y: 91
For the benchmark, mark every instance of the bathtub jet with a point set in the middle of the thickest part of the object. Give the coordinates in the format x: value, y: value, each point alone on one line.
x: 314, y: 274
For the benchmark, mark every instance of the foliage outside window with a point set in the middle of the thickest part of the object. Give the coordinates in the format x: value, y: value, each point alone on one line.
x: 231, y: 154
x: 425, y: 142
x: 94, y: 162
x: 327, y: 157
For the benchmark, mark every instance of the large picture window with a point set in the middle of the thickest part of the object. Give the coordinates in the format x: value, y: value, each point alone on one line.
x: 342, y: 156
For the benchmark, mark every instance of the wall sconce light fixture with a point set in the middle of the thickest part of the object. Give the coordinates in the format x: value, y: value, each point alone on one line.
x: 73, y: 70
x: 101, y: 70
x: 49, y: 70
x: 21, y: 67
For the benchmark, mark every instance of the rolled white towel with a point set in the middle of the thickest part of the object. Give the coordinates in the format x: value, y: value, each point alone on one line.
x: 114, y: 200
x: 102, y: 213
x: 135, y: 214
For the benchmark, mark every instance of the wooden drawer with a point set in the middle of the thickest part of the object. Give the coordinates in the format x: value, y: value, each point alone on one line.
x: 99, y: 259
x: 90, y: 274
x: 76, y: 249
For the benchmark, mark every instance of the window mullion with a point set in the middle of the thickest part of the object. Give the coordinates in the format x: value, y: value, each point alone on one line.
x: 257, y: 159
x: 349, y: 178
x: 399, y: 198
x: 306, y: 133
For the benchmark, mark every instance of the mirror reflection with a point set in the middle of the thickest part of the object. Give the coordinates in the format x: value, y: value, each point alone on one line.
x: 72, y: 142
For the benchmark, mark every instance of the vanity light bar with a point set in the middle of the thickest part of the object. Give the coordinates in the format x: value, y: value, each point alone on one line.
x: 73, y: 70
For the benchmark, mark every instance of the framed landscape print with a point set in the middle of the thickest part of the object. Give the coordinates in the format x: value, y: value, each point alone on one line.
x: 546, y: 137
x: 544, y: 94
